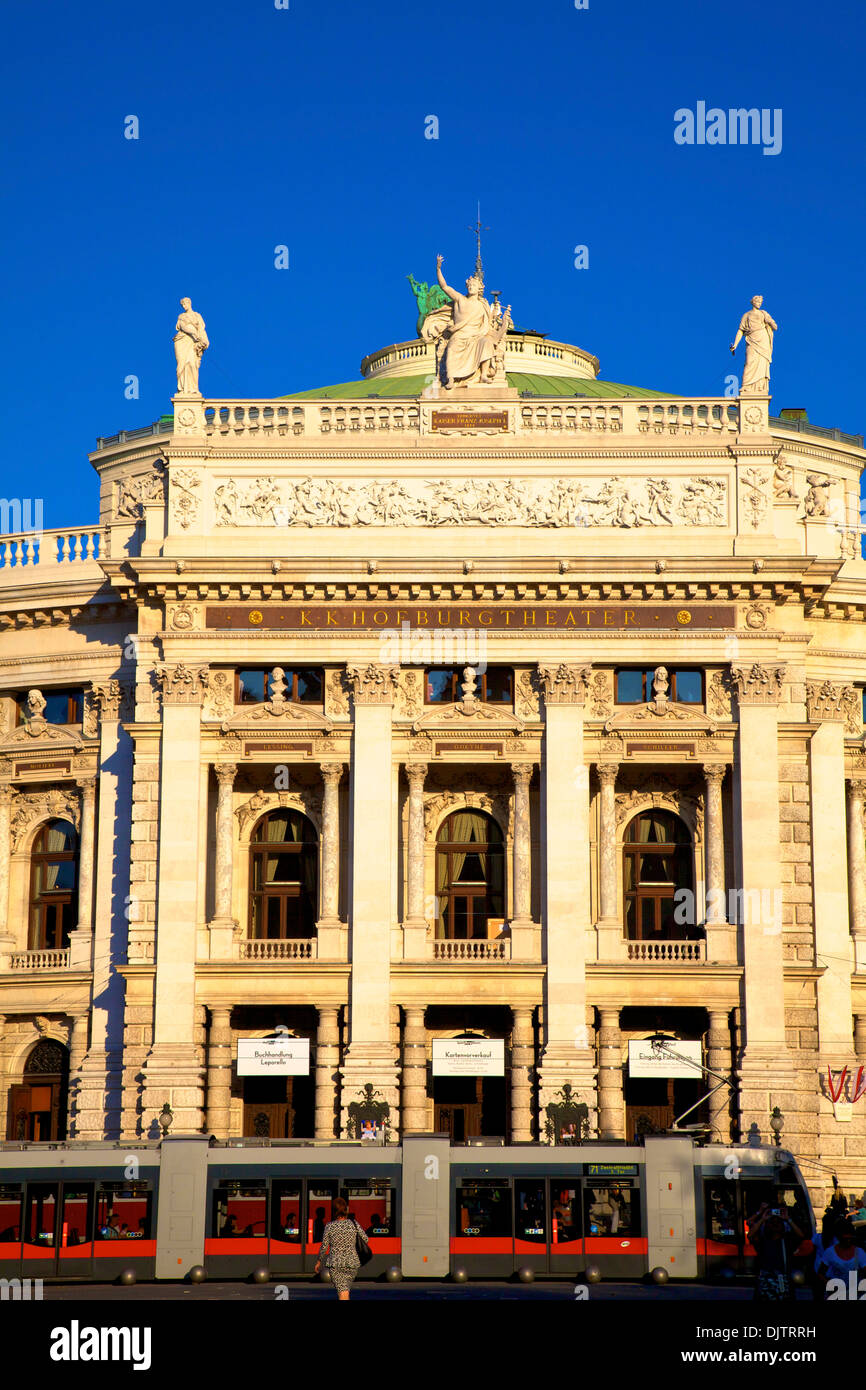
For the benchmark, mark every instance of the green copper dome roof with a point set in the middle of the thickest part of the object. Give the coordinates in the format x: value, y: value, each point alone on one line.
x: 531, y: 384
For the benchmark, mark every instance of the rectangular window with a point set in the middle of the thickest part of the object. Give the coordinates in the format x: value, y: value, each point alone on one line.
x: 370, y: 1203
x: 564, y: 1211
x: 125, y: 1209
x: 634, y: 685
x: 251, y: 686
x: 64, y: 706
x: 444, y: 685
x: 484, y: 1207
x: 286, y: 1211
x: 240, y: 1208
x: 611, y: 1209
x: 11, y: 1202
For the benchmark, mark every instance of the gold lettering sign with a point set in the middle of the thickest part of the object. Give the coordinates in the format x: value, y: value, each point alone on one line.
x: 514, y: 617
x: 470, y: 420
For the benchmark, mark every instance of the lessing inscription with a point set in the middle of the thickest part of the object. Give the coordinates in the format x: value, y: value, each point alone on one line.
x: 560, y: 617
x: 469, y: 420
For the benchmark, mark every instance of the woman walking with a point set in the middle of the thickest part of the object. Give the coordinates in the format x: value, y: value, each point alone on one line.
x: 338, y: 1244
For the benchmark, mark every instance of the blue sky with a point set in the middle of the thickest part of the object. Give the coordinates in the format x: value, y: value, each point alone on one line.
x: 305, y: 127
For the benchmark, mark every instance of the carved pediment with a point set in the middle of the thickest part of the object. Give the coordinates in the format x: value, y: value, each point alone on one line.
x: 259, y: 718
x: 37, y: 730
x: 661, y: 713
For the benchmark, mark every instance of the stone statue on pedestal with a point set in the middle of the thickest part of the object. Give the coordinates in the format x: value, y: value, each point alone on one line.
x: 190, y: 342
x: 757, y: 328
x: 474, y: 336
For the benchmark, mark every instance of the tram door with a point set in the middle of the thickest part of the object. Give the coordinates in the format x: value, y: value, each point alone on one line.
x: 320, y: 1200
x: 547, y: 1225
x: 57, y: 1230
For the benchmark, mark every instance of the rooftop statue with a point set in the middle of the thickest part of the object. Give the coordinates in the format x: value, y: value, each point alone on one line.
x: 433, y: 308
x: 757, y: 328
x: 190, y: 342
x: 474, y: 337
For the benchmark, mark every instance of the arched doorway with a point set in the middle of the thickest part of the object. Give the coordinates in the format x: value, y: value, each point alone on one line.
x: 53, y: 887
x: 37, y: 1108
x: 284, y: 877
x: 470, y: 876
x: 658, y: 861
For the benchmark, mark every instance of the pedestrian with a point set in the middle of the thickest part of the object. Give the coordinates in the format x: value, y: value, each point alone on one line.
x: 775, y: 1238
x: 338, y: 1249
x: 844, y: 1255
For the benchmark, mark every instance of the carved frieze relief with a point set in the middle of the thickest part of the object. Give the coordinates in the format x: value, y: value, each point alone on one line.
x: 32, y: 806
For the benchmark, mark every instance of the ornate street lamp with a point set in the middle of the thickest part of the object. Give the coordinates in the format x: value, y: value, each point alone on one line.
x: 166, y: 1119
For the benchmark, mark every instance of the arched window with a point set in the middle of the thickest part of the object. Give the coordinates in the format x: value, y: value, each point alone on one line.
x: 657, y: 861
x: 37, y: 1109
x: 284, y: 876
x: 53, y: 886
x: 470, y: 876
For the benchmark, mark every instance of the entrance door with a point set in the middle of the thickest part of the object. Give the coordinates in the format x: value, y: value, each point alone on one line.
x: 457, y: 1107
x: 34, y: 1112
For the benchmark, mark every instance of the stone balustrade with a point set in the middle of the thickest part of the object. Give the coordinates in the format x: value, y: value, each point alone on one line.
x: 472, y: 950
x: 279, y: 950
x: 50, y: 550
x: 40, y: 960
x: 666, y: 952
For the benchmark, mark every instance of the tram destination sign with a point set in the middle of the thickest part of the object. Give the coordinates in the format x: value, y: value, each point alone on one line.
x: 468, y: 1057
x: 610, y: 1170
x: 273, y: 1056
x: 645, y: 1060
x: 499, y: 617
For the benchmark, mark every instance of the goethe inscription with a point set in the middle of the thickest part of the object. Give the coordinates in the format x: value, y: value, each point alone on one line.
x: 516, y: 617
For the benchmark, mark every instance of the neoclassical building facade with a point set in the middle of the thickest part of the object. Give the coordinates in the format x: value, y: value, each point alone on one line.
x: 528, y: 710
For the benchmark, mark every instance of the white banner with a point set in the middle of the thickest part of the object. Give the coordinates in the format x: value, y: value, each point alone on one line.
x: 273, y: 1056
x: 468, y: 1057
x: 644, y: 1060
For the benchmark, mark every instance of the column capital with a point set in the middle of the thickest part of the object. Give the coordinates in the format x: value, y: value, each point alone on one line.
x: 416, y: 774
x: 714, y: 773
x: 607, y: 773
x: 181, y: 684
x: 87, y: 786
x: 331, y: 772
x: 831, y: 703
x: 373, y: 684
x: 856, y: 787
x: 225, y: 773
x: 110, y: 697
x: 564, y: 684
x: 7, y: 792
x: 522, y: 773
x: 757, y: 684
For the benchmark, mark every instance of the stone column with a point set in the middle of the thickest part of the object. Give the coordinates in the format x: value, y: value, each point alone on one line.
x: 98, y: 1098
x: 329, y: 928
x: 372, y: 1055
x: 81, y: 939
x: 4, y: 1087
x: 609, y: 926
x: 522, y: 1067
x: 414, y: 1072
x: 767, y: 1075
x: 859, y: 1037
x: 567, y: 1054
x: 219, y: 1073
x: 857, y: 870
x: 415, y: 925
x: 522, y: 774
x: 720, y: 943
x: 173, y: 1070
x: 7, y: 940
x: 719, y: 1060
x: 610, y: 1104
x: 826, y: 707
x: 327, y: 1073
x: 221, y: 927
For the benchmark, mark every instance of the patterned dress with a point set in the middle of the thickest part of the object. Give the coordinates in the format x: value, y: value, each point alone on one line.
x: 338, y: 1239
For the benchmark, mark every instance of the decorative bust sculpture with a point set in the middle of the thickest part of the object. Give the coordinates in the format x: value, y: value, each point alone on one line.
x: 757, y: 328
x: 473, y: 336
x: 35, y: 704
x: 190, y: 342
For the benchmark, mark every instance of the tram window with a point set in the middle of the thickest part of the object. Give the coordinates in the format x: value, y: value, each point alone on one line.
x: 564, y: 1212
x: 612, y: 1209
x: 11, y: 1202
x: 41, y: 1216
x: 320, y: 1197
x: 75, y: 1223
x: 779, y: 1196
x: 484, y: 1207
x: 529, y: 1224
x: 240, y: 1208
x: 721, y: 1207
x: 286, y: 1211
x: 370, y: 1203
x: 124, y: 1209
